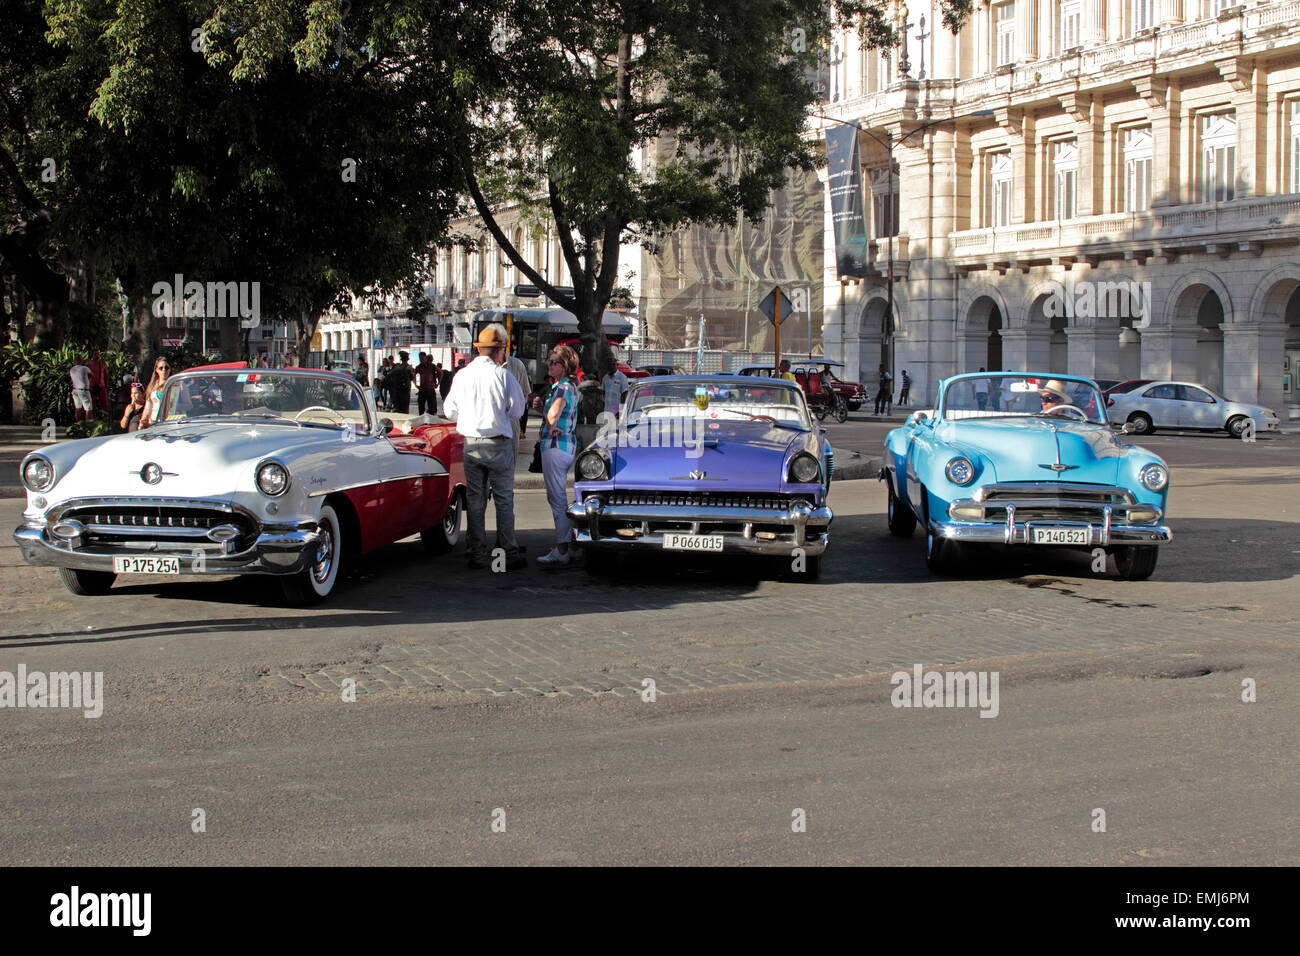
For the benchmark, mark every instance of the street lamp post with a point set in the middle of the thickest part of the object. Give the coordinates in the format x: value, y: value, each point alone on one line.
x: 888, y: 144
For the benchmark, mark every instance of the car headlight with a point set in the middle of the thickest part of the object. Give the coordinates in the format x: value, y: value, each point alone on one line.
x: 805, y: 469
x: 38, y: 473
x: 960, y: 471
x: 592, y: 466
x: 1154, y: 477
x: 272, y: 479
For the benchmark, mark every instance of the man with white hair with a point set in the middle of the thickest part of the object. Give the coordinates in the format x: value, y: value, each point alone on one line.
x: 486, y: 401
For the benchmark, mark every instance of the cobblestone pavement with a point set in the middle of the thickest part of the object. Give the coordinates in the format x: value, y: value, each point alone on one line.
x: 429, y: 626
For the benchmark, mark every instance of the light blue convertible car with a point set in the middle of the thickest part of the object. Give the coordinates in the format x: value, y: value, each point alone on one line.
x: 1013, y: 458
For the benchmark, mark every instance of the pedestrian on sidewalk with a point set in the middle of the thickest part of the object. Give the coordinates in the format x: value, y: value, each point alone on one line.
x: 398, y: 382
x: 426, y: 381
x: 559, y: 445
x: 905, y: 390
x: 885, y: 392
x: 80, y: 375
x: 130, y: 421
x: 162, y: 370
x: 483, y: 400
x: 615, y: 385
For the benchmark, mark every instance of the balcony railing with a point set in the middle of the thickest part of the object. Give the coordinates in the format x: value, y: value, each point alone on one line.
x: 1234, y: 34
x: 1236, y: 221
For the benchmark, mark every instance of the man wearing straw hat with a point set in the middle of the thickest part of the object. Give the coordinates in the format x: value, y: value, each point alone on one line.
x: 485, y: 399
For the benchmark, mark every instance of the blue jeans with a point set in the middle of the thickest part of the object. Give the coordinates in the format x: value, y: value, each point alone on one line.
x: 490, y: 465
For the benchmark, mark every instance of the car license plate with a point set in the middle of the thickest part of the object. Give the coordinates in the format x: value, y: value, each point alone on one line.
x: 1062, y: 536
x: 146, y: 565
x: 674, y: 541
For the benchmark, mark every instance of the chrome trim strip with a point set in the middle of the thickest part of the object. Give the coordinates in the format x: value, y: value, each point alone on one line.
x: 377, y: 481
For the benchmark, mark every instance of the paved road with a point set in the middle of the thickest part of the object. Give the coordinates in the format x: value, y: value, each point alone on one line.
x: 522, y: 691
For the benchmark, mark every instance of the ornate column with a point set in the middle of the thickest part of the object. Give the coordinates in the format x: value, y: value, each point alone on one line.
x: 1248, y: 100
x: 1171, y: 12
x: 1162, y: 97
x: 1169, y: 354
x: 1029, y: 349
x: 1094, y: 22
x: 1093, y: 351
x: 944, y: 43
x: 1026, y: 30
x: 1252, y: 363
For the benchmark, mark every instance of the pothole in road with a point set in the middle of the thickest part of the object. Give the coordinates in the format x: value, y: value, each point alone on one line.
x: 1189, y: 670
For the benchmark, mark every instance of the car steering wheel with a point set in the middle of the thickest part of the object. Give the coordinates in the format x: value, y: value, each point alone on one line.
x: 1070, y: 410
x: 321, y: 408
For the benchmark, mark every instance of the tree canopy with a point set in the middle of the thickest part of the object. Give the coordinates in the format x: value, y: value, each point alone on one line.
x: 322, y: 148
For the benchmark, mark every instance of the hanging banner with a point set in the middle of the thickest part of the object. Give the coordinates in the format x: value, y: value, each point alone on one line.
x: 848, y: 209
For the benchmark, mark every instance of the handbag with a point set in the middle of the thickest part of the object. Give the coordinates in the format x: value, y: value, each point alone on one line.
x: 535, y: 466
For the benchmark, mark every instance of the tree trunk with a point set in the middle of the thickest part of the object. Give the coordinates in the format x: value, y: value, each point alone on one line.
x: 305, y: 325
x: 230, y: 338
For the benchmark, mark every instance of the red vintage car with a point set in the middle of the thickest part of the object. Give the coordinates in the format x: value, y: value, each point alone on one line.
x: 287, y: 472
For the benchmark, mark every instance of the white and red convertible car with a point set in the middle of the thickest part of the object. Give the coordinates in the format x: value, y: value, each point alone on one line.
x: 289, y: 472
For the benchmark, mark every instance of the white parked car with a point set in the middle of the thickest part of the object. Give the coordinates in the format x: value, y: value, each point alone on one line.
x: 289, y: 472
x: 1190, y: 406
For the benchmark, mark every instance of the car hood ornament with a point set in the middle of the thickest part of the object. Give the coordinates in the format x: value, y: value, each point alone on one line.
x: 1057, y: 466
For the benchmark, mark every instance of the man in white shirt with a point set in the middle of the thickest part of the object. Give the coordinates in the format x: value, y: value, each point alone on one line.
x: 486, y: 401
x: 517, y: 369
x: 615, y: 386
x: 80, y: 375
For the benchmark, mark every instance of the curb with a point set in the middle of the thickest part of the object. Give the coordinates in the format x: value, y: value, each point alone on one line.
x: 855, y: 468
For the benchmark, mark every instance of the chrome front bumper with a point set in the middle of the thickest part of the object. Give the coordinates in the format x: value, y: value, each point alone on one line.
x: 800, y: 526
x: 275, y: 551
x: 1021, y: 507
x: 1100, y: 535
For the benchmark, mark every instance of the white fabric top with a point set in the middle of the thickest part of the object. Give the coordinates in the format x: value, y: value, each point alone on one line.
x: 615, y: 386
x: 80, y: 376
x: 484, y: 397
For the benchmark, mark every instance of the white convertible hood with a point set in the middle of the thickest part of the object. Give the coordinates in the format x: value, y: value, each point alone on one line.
x: 198, y: 460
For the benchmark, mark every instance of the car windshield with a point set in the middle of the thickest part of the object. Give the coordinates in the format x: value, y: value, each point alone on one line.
x: 1002, y: 396
x: 736, y: 400
x: 270, y: 395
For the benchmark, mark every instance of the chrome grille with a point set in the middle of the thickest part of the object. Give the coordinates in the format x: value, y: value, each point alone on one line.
x: 160, y: 522
x: 704, y: 499
x: 1029, y: 491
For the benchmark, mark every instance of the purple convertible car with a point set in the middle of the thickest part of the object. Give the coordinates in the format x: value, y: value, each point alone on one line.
x: 713, y: 463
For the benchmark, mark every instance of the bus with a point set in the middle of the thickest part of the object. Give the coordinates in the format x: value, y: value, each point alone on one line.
x: 534, y: 332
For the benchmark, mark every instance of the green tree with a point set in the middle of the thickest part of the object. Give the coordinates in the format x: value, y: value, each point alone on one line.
x: 623, y: 121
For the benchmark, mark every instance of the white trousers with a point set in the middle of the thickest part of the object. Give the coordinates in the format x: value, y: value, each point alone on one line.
x: 555, y: 471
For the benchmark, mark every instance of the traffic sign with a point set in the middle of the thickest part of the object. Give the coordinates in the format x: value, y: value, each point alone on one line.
x: 769, y: 306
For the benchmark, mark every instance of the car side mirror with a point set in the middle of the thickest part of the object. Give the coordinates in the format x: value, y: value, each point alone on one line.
x: 1127, y: 428
x: 916, y: 418
x: 385, y: 426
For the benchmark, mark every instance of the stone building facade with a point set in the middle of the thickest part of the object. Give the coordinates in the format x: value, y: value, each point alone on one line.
x: 1124, y: 203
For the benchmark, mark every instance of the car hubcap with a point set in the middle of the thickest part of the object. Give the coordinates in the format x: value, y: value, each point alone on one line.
x: 325, y: 556
x: 452, y: 521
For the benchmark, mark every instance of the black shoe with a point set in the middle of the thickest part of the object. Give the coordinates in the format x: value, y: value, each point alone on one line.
x: 523, y: 549
x: 517, y: 563
x: 476, y: 564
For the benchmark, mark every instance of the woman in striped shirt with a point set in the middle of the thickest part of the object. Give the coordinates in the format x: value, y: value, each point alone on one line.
x: 559, y: 445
